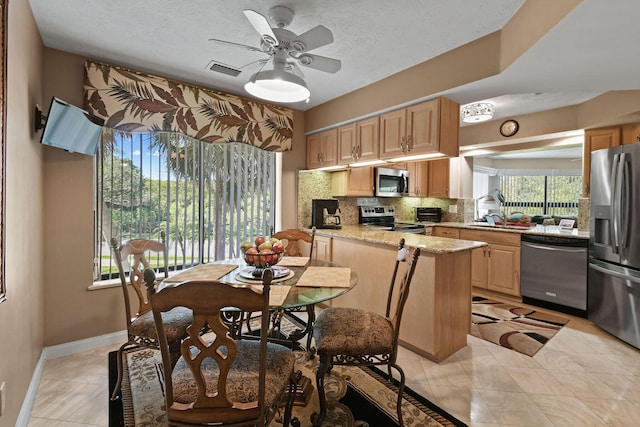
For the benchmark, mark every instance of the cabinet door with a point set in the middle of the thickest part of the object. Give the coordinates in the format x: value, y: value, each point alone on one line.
x: 423, y: 127
x: 314, y: 147
x: 322, y: 248
x: 596, y: 139
x: 392, y: 134
x: 347, y: 144
x: 504, y: 269
x: 367, y: 143
x: 439, y: 178
x: 479, y: 267
x: 360, y: 181
x: 418, y: 178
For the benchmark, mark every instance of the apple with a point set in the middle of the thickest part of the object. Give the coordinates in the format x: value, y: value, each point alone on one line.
x: 260, y: 240
x: 277, y: 247
x: 273, y: 241
x: 267, y: 257
x: 249, y: 255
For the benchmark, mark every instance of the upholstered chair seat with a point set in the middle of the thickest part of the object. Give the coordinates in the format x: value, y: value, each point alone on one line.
x: 176, y: 323
x: 334, y: 327
x: 242, y: 380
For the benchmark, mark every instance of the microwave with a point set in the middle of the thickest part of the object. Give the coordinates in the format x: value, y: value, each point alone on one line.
x: 391, y: 182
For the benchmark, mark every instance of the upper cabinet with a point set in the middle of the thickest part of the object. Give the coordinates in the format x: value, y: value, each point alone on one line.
x: 596, y: 139
x: 358, y: 142
x: 425, y: 128
x: 322, y: 149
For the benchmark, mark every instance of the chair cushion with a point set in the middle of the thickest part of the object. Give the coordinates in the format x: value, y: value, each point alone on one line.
x: 175, y: 322
x: 351, y: 332
x: 242, y: 381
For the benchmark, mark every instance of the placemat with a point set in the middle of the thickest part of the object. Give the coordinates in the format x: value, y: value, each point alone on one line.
x: 328, y: 277
x: 202, y: 272
x: 294, y: 261
x: 277, y: 294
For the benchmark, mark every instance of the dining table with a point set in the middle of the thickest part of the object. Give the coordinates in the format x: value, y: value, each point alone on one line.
x: 299, y: 284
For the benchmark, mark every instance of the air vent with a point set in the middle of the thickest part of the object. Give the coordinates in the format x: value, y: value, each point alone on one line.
x: 224, y: 69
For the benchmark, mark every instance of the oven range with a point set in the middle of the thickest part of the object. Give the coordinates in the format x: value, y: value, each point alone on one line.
x: 384, y: 217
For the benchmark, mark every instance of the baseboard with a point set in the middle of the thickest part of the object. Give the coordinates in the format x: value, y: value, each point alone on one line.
x: 61, y: 350
x: 66, y: 349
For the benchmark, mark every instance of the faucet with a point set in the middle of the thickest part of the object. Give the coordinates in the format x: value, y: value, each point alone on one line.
x: 502, y: 216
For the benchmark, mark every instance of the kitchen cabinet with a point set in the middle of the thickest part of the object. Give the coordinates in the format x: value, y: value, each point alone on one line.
x: 418, y: 178
x: 359, y: 141
x: 596, y: 139
x: 497, y: 266
x: 425, y: 128
x: 446, y: 176
x: 452, y: 233
x: 352, y: 182
x: 322, y: 149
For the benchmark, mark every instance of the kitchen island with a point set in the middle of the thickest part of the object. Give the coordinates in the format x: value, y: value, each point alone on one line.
x: 437, y: 316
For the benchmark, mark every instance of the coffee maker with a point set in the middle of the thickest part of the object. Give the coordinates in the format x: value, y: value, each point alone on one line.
x: 325, y: 213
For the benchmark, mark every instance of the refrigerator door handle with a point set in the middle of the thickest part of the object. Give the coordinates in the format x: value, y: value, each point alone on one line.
x: 625, y: 204
x: 615, y: 273
x: 615, y: 205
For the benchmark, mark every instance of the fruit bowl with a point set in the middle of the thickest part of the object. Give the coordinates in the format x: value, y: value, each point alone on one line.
x: 262, y: 253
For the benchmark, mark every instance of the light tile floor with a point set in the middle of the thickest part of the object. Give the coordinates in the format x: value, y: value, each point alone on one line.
x: 582, y: 377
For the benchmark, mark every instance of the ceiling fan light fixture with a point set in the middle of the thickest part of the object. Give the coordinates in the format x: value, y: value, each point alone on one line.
x: 277, y: 86
x: 477, y: 112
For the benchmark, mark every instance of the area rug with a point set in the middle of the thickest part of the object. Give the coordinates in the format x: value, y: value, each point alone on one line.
x: 358, y: 397
x: 522, y: 329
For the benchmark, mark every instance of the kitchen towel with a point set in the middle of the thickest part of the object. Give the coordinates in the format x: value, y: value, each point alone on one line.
x: 329, y: 277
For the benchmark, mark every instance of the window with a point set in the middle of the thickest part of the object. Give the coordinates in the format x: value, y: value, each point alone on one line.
x: 541, y: 195
x: 208, y: 198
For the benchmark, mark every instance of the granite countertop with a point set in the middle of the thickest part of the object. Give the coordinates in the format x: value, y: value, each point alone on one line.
x: 429, y: 244
x: 543, y: 230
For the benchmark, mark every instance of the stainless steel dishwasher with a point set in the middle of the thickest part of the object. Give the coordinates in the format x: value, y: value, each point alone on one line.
x: 554, y: 272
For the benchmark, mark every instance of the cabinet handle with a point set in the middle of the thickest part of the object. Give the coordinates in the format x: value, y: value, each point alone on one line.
x: 353, y: 153
x: 402, y: 144
x: 321, y: 157
x: 408, y: 143
x: 357, y: 151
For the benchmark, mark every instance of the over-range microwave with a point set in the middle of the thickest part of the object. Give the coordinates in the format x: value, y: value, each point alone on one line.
x: 391, y: 182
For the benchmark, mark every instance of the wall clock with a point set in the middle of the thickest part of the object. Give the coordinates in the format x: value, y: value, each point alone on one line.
x: 509, y: 128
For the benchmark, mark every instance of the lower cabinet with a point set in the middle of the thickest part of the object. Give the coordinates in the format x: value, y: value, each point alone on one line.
x: 495, y: 267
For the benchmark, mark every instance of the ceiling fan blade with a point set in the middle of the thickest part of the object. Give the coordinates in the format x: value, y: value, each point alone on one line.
x: 322, y: 63
x: 312, y: 39
x: 261, y: 62
x: 242, y: 46
x: 261, y: 24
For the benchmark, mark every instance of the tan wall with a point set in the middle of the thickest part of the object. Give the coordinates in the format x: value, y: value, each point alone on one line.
x: 21, y: 315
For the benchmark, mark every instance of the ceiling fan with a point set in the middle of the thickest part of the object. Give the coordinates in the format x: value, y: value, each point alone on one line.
x: 285, y: 82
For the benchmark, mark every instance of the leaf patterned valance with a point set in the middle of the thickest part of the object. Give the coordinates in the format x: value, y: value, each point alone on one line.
x: 136, y: 102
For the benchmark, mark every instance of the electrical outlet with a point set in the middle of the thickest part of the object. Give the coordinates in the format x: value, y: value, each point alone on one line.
x: 2, y: 398
x: 453, y: 208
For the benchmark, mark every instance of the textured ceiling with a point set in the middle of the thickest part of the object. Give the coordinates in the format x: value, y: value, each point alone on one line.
x: 591, y: 51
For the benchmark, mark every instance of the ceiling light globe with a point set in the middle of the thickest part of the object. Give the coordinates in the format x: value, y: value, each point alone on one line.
x: 278, y: 86
x: 478, y: 112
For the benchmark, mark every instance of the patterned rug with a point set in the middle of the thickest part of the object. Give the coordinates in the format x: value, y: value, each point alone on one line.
x: 350, y: 391
x: 517, y: 328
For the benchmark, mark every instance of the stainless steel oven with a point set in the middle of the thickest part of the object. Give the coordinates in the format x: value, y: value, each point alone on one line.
x: 391, y: 182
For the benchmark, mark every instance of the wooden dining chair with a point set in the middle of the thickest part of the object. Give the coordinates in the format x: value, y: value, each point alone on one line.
x: 219, y: 380
x: 137, y: 255
x: 292, y: 239
x: 350, y: 336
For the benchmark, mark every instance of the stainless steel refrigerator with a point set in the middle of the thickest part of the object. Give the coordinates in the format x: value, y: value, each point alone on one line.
x: 614, y: 243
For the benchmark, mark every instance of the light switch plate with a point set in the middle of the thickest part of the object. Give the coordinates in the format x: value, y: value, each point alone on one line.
x: 453, y: 208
